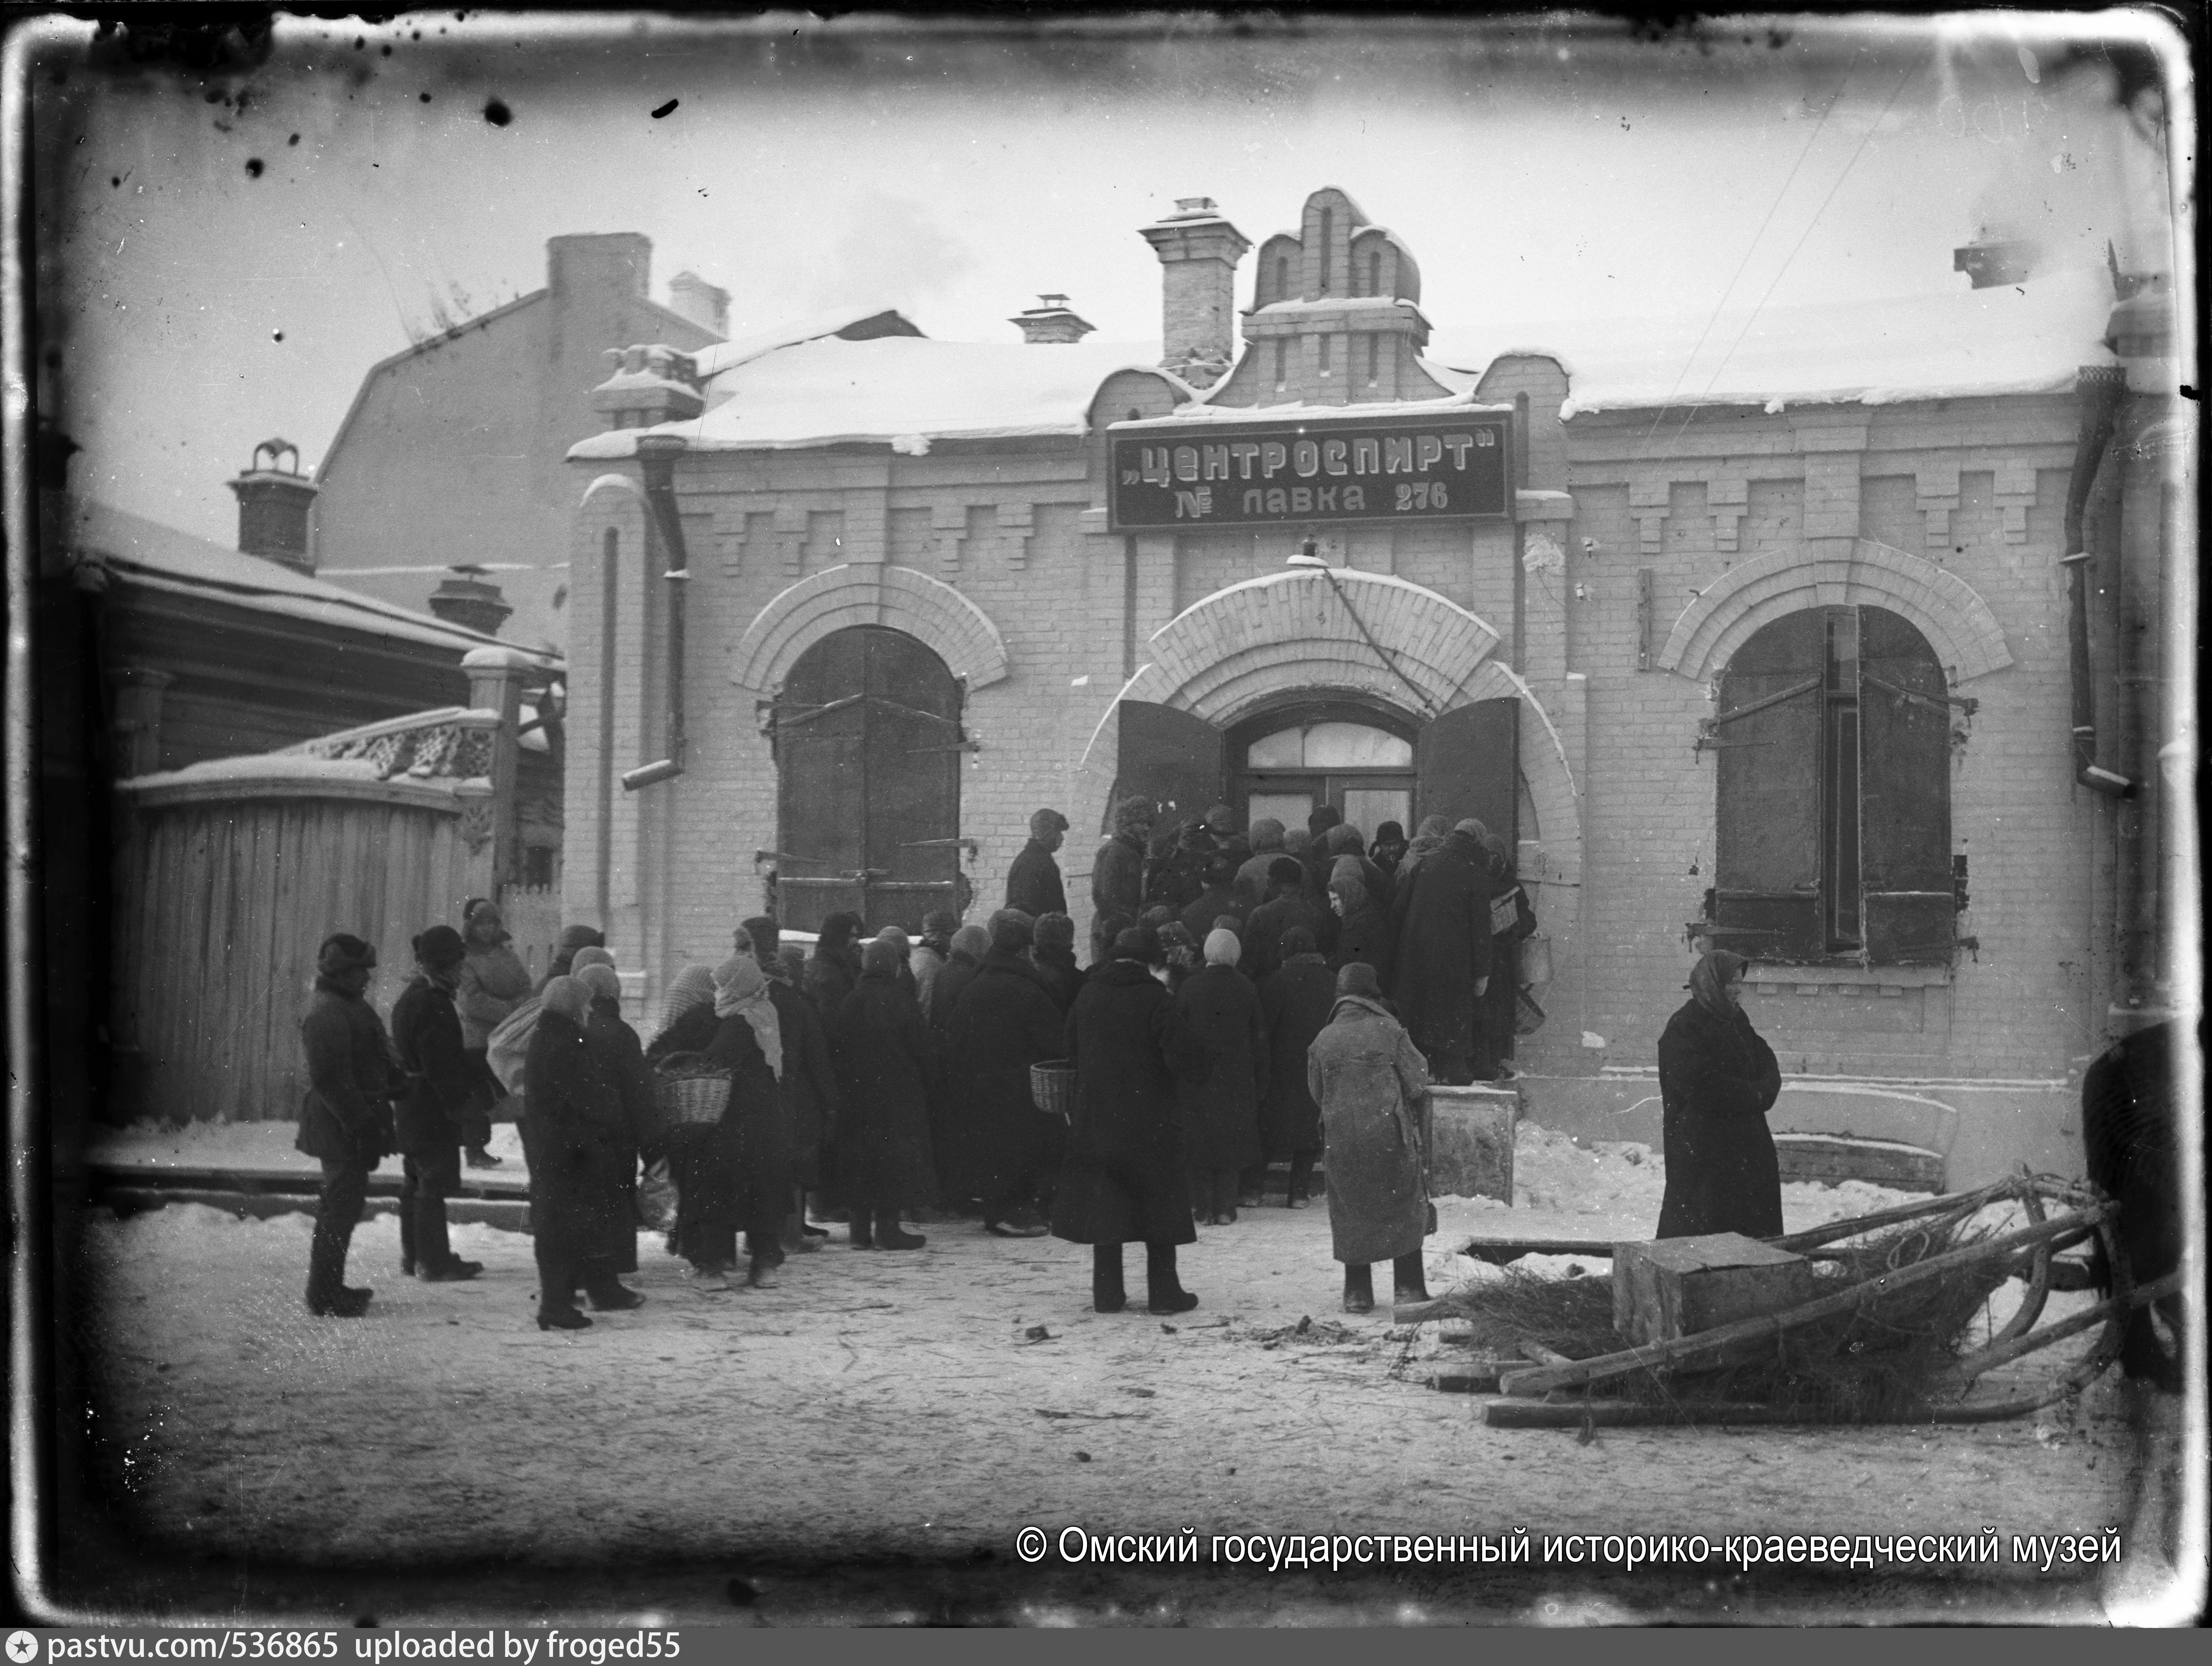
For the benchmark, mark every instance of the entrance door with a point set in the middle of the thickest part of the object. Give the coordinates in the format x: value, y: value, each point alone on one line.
x: 867, y: 745
x: 1290, y: 763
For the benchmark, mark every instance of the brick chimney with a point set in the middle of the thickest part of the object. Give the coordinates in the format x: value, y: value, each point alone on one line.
x: 650, y: 386
x: 466, y: 597
x: 273, y: 505
x: 1199, y: 251
x: 1051, y: 324
x: 692, y: 297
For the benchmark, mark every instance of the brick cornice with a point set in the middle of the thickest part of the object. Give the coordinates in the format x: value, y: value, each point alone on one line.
x: 1958, y: 624
x: 869, y: 593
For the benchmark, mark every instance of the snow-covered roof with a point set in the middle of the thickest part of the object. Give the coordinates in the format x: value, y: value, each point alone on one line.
x: 2015, y: 338
x: 162, y: 558
x: 726, y: 355
x: 898, y: 389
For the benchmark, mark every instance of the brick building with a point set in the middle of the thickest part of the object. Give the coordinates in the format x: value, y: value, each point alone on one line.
x: 1846, y: 655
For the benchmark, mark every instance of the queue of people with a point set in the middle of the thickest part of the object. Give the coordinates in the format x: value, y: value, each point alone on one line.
x: 1247, y: 1000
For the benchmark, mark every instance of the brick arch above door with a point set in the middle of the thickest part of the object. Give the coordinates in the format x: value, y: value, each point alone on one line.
x: 1942, y: 607
x: 870, y: 593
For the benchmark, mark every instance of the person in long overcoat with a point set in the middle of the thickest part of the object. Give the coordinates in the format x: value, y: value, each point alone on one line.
x: 1287, y: 905
x: 687, y: 1030
x: 1124, y: 1176
x: 809, y: 1082
x: 573, y: 1136
x: 1006, y: 1021
x: 1717, y: 1080
x: 1251, y: 881
x: 930, y: 950
x: 1362, y: 931
x: 1428, y: 839
x: 752, y: 1146
x: 345, y: 1122
x: 969, y: 944
x: 426, y: 1034
x: 1053, y: 948
x: 1221, y: 1107
x: 1118, y: 873
x: 619, y: 1058
x: 494, y: 982
x: 1294, y: 1007
x: 1496, y: 1012
x: 834, y: 969
x: 887, y: 1062
x: 1033, y: 883
x: 1441, y: 924
x: 1368, y: 1077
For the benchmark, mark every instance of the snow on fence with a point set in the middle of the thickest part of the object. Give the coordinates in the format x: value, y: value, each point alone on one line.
x: 231, y: 873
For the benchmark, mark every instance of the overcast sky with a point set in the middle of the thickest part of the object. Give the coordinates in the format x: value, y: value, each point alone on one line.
x: 211, y: 280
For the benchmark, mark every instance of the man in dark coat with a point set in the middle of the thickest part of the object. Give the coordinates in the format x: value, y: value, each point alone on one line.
x: 441, y: 1085
x: 1512, y: 922
x: 835, y: 967
x: 1033, y: 884
x: 573, y: 1132
x: 809, y: 1082
x: 1717, y: 1080
x: 1441, y: 930
x: 619, y: 1058
x: 1124, y: 1177
x: 1287, y: 905
x: 345, y: 1124
x: 1053, y: 950
x: 1221, y: 1106
x: 1219, y: 897
x: 887, y: 1062
x: 1295, y: 1003
x: 1117, y: 874
x: 1006, y: 1021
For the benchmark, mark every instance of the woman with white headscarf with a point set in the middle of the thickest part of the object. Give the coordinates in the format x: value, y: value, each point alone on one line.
x: 1220, y: 1008
x: 753, y: 1142
x: 574, y: 1133
x: 1717, y: 1080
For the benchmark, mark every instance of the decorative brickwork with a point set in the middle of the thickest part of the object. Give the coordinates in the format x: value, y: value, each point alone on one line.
x: 1942, y: 607
x: 856, y: 593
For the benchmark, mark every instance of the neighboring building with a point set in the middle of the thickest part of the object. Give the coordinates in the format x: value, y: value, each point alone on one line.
x: 1846, y: 654
x: 450, y: 454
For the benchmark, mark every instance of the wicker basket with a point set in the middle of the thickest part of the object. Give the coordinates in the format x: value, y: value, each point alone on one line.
x: 1052, y: 1085
x: 691, y: 1100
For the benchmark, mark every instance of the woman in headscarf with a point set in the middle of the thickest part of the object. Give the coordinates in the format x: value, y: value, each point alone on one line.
x: 1362, y: 931
x: 1368, y: 1077
x: 1344, y: 840
x: 896, y: 937
x: 965, y: 957
x: 345, y: 1122
x: 1221, y: 1106
x: 1717, y: 1080
x: 1294, y: 1007
x: 1006, y: 1151
x: 886, y: 1058
x: 573, y: 1131
x: 1511, y: 922
x: 808, y: 1080
x: 620, y: 1061
x: 494, y: 982
x: 1125, y: 1176
x: 426, y: 1034
x: 1428, y: 837
x: 573, y: 937
x: 687, y: 1014
x: 752, y: 1143
x: 834, y: 969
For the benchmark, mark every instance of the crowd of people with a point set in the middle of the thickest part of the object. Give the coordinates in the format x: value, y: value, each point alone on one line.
x: 1247, y: 994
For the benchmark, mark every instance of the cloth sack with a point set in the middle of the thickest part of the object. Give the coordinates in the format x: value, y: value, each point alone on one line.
x: 508, y: 1045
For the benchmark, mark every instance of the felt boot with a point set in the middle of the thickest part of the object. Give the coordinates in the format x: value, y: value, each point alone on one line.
x: 1409, y: 1281
x: 1107, y: 1294
x: 1358, y: 1288
x: 1163, y: 1291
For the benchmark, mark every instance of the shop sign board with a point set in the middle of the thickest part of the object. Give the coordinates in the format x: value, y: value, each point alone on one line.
x: 1438, y: 465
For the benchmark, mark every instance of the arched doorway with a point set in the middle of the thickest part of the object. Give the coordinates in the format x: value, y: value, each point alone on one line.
x: 867, y: 745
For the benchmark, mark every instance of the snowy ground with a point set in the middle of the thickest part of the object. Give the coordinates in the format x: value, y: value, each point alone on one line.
x: 880, y: 1403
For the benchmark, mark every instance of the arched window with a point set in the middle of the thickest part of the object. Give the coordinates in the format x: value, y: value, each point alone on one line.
x: 1366, y: 770
x: 1832, y: 837
x: 868, y: 746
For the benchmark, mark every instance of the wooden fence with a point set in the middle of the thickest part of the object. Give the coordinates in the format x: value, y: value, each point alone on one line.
x: 229, y: 878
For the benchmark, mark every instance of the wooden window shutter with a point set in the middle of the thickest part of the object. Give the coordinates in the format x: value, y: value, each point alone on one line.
x: 1904, y: 795
x: 1469, y: 764
x: 1766, y: 897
